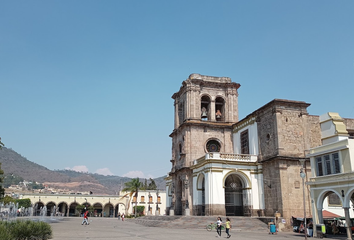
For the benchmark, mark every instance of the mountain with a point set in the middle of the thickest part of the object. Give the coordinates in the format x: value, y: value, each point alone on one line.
x: 13, y: 164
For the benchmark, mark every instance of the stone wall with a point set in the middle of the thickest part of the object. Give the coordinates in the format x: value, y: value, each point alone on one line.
x: 285, y: 132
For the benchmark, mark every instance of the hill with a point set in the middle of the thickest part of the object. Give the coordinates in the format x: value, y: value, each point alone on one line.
x: 13, y: 164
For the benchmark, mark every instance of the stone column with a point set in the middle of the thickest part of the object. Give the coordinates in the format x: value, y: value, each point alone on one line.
x: 212, y: 110
x: 187, y: 211
x: 228, y: 108
x: 320, y: 216
x: 349, y: 224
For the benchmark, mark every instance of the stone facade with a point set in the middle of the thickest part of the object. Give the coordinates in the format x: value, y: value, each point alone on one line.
x: 192, y: 132
x: 278, y: 135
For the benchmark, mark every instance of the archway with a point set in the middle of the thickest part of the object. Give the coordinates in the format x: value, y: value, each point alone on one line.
x: 72, y: 209
x: 97, y: 210
x: 219, y: 109
x: 62, y: 209
x: 37, y: 208
x: 233, y: 196
x: 201, y: 195
x: 51, y: 208
x: 119, y: 209
x: 205, y: 108
x: 108, y: 210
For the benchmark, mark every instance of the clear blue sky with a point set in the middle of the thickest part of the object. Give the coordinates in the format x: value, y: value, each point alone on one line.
x: 88, y: 84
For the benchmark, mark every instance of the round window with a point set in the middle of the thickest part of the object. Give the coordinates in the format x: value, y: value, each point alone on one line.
x: 213, y: 146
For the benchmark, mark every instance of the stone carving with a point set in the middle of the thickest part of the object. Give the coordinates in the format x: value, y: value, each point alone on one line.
x: 186, y: 182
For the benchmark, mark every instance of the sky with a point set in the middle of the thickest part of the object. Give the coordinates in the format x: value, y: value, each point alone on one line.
x: 87, y: 85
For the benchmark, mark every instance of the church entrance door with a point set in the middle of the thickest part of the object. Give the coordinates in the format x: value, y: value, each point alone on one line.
x: 233, y: 196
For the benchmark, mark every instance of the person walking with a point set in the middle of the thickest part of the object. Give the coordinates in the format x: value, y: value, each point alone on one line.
x: 218, y: 226
x: 123, y: 216
x: 118, y: 215
x: 228, y: 226
x: 85, y: 221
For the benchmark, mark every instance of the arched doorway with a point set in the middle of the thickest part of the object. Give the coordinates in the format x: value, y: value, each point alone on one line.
x: 233, y: 196
x: 201, y: 195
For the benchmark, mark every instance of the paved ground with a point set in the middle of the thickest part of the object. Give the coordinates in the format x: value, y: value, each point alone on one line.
x: 110, y: 228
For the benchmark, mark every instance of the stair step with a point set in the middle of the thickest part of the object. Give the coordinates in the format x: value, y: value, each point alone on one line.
x: 194, y: 222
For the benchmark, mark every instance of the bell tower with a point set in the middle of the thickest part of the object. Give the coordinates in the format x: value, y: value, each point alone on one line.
x: 205, y: 109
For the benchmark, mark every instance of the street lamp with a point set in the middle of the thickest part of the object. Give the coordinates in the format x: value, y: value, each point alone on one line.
x: 303, y: 175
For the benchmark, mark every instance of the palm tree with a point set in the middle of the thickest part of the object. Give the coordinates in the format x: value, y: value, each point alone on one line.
x: 132, y: 188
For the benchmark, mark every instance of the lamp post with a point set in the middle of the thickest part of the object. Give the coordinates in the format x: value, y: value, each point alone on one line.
x: 303, y: 175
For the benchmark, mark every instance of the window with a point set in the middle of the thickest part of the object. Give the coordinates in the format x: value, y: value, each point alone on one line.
x: 328, y: 164
x: 159, y: 199
x: 150, y: 199
x: 142, y: 199
x: 335, y: 157
x: 319, y: 166
x: 213, y: 146
x: 181, y: 112
x: 244, y: 142
x: 134, y: 199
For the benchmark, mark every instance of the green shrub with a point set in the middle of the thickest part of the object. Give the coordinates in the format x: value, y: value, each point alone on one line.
x: 25, y: 230
x: 4, y: 232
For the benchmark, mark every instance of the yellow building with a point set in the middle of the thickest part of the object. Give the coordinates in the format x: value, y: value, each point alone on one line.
x: 104, y: 206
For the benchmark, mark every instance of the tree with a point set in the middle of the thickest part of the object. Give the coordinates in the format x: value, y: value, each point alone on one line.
x: 8, y: 199
x: 132, y: 188
x: 152, y: 185
x: 80, y: 208
x: 24, y: 202
x: 2, y: 190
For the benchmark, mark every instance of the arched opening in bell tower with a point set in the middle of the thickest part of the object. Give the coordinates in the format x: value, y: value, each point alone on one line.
x: 205, y: 108
x: 220, y: 109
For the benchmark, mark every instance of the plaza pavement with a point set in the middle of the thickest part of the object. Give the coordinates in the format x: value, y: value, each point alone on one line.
x: 111, y: 228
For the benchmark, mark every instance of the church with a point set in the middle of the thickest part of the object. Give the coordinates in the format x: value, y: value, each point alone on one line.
x: 223, y: 165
